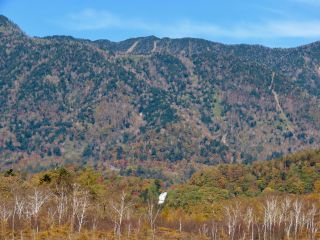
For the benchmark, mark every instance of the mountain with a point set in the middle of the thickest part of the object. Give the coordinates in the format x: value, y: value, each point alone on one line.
x: 152, y: 101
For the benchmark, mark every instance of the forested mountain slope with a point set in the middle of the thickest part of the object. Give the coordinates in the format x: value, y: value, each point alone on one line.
x: 142, y: 100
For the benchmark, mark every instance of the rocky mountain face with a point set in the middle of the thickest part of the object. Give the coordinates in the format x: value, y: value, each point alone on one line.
x: 151, y: 100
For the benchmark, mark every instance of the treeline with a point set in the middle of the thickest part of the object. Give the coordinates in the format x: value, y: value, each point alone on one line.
x: 216, y: 203
x: 297, y: 173
x: 76, y: 204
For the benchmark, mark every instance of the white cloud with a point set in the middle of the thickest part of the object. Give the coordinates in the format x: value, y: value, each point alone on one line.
x: 91, y: 19
x: 303, y: 29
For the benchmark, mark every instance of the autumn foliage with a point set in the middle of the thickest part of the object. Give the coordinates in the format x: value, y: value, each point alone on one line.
x: 276, y: 199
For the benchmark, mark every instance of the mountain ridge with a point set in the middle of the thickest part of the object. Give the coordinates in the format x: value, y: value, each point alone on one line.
x: 148, y: 100
x: 6, y: 20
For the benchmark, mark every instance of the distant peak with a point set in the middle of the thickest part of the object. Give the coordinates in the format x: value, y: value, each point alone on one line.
x: 4, y: 20
x: 6, y: 25
x: 152, y: 37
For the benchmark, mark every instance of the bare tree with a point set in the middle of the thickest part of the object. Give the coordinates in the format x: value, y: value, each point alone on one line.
x: 62, y: 202
x: 232, y: 214
x: 288, y: 225
x: 249, y: 220
x: 153, y: 212
x: 36, y: 201
x: 80, y: 201
x: 120, y: 209
x: 18, y: 207
x: 284, y: 211
x: 297, y: 207
x: 270, y: 217
x: 82, y: 206
x: 310, y: 222
x: 214, y: 231
x: 5, y: 214
x: 51, y: 214
x: 204, y: 231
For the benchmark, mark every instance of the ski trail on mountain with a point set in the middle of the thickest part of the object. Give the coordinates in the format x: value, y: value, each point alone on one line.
x: 154, y: 46
x: 278, y: 105
x: 272, y: 79
x: 275, y: 95
x: 224, y: 139
x: 130, y: 50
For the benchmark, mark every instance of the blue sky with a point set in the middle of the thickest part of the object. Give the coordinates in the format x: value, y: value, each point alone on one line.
x: 275, y: 23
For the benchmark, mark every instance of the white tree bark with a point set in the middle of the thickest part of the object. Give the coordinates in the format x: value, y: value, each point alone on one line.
x: 36, y: 201
x: 120, y: 210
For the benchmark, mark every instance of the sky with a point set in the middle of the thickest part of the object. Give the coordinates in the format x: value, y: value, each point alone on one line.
x: 273, y: 23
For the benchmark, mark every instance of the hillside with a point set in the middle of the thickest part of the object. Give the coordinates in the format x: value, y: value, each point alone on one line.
x: 297, y: 174
x: 150, y: 101
x: 277, y: 199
